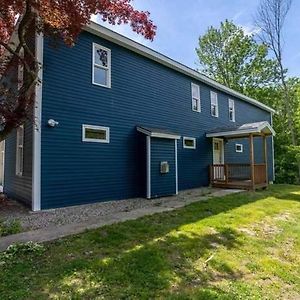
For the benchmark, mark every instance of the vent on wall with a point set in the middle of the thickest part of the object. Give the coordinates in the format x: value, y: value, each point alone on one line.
x: 164, y: 167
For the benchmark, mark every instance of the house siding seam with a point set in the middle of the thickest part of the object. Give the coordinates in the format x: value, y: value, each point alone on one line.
x: 142, y: 92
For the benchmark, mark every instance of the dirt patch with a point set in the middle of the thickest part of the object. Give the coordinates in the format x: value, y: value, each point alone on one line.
x: 247, y: 231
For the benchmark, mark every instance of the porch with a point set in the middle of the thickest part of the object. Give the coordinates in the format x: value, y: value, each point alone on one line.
x: 238, y: 176
x: 247, y: 176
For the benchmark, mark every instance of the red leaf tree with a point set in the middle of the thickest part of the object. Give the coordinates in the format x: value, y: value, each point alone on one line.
x: 64, y: 19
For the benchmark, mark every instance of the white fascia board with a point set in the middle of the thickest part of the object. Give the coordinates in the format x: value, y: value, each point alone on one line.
x: 114, y: 37
x: 267, y: 125
x: 232, y: 133
x: 159, y: 135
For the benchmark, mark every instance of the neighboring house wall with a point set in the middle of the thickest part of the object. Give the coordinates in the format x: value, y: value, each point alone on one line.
x: 2, y: 145
x: 15, y: 186
x: 142, y: 92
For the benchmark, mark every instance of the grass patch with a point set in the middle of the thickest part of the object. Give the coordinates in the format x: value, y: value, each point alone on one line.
x: 10, y: 227
x: 243, y: 246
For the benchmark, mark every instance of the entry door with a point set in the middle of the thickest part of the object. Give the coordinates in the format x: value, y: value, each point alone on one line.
x: 1, y: 162
x: 218, y: 158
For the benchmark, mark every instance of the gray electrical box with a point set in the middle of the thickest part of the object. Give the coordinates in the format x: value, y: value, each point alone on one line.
x: 164, y: 167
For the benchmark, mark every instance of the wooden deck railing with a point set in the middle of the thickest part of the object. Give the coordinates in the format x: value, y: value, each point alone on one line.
x: 238, y: 174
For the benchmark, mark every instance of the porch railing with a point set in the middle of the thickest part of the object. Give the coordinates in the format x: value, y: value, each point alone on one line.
x: 229, y: 173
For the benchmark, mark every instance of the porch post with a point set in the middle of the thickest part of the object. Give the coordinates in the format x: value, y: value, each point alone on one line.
x: 266, y: 156
x: 251, y: 160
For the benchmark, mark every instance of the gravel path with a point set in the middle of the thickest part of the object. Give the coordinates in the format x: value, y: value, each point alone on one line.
x: 12, y: 210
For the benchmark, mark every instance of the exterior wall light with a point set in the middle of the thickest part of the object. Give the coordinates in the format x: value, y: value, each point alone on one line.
x: 52, y: 123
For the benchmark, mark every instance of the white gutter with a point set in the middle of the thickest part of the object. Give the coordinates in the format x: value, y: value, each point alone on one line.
x: 121, y: 40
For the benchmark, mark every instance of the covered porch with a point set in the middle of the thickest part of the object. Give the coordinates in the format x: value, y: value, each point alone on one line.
x: 240, y: 175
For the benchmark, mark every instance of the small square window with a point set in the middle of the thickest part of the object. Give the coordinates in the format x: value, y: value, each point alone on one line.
x: 97, y: 134
x: 239, y: 148
x: 189, y: 143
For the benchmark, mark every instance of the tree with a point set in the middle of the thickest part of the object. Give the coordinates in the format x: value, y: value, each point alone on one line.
x: 63, y: 19
x: 235, y: 59
x: 270, y: 18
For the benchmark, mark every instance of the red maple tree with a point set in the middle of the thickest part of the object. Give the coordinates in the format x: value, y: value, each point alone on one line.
x: 20, y: 19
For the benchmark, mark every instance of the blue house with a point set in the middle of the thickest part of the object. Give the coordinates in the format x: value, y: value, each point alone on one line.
x: 115, y: 120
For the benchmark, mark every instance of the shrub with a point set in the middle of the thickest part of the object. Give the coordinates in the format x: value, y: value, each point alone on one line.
x: 10, y: 227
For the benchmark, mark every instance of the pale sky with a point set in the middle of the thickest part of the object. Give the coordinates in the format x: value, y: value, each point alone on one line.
x: 179, y: 24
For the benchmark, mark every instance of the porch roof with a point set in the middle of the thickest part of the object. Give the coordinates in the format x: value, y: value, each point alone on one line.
x: 158, y: 132
x: 256, y: 129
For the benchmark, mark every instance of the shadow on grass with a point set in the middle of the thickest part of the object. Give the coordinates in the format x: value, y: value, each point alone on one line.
x: 158, y: 256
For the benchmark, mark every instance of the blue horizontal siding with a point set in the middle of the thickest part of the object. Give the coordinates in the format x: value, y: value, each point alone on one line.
x: 162, y: 184
x: 143, y: 93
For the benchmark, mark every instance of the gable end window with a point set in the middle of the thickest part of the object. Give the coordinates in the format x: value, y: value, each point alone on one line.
x: 214, y: 104
x: 20, y: 150
x: 196, y: 102
x: 189, y: 143
x: 95, y: 134
x: 231, y: 109
x: 101, y: 66
x: 239, y: 148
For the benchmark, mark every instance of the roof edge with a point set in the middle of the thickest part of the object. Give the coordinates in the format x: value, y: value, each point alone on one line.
x: 119, y: 39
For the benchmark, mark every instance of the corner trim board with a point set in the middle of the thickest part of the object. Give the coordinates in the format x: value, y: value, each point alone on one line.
x: 148, y: 142
x: 36, y: 158
x: 176, y: 168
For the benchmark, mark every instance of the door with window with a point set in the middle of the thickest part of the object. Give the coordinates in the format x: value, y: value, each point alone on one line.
x: 218, y: 158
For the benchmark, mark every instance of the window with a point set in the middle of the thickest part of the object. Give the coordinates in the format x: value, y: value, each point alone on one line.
x: 196, y: 103
x: 21, y: 71
x: 239, y: 148
x: 101, y: 66
x: 231, y: 110
x: 189, y: 143
x: 214, y: 104
x: 20, y: 150
x: 97, y: 134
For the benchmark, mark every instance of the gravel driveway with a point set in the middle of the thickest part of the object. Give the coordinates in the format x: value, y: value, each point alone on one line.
x: 12, y: 210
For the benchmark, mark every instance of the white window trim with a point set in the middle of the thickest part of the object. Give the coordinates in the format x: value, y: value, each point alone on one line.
x: 217, y: 104
x: 239, y: 145
x: 106, y: 68
x: 233, y: 109
x: 198, y: 99
x: 19, y: 159
x: 106, y: 129
x: 189, y: 138
x: 20, y: 71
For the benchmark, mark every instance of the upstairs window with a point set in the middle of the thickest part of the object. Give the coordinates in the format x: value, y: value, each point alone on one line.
x: 231, y: 110
x: 101, y: 66
x: 196, y: 103
x: 214, y: 104
x: 189, y: 143
x: 96, y: 134
x: 20, y: 150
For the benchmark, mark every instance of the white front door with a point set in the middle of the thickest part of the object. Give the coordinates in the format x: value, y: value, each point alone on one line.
x: 218, y: 159
x: 218, y: 151
x: 1, y: 163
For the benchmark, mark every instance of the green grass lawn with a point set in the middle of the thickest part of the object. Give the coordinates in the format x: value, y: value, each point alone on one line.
x: 243, y: 246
